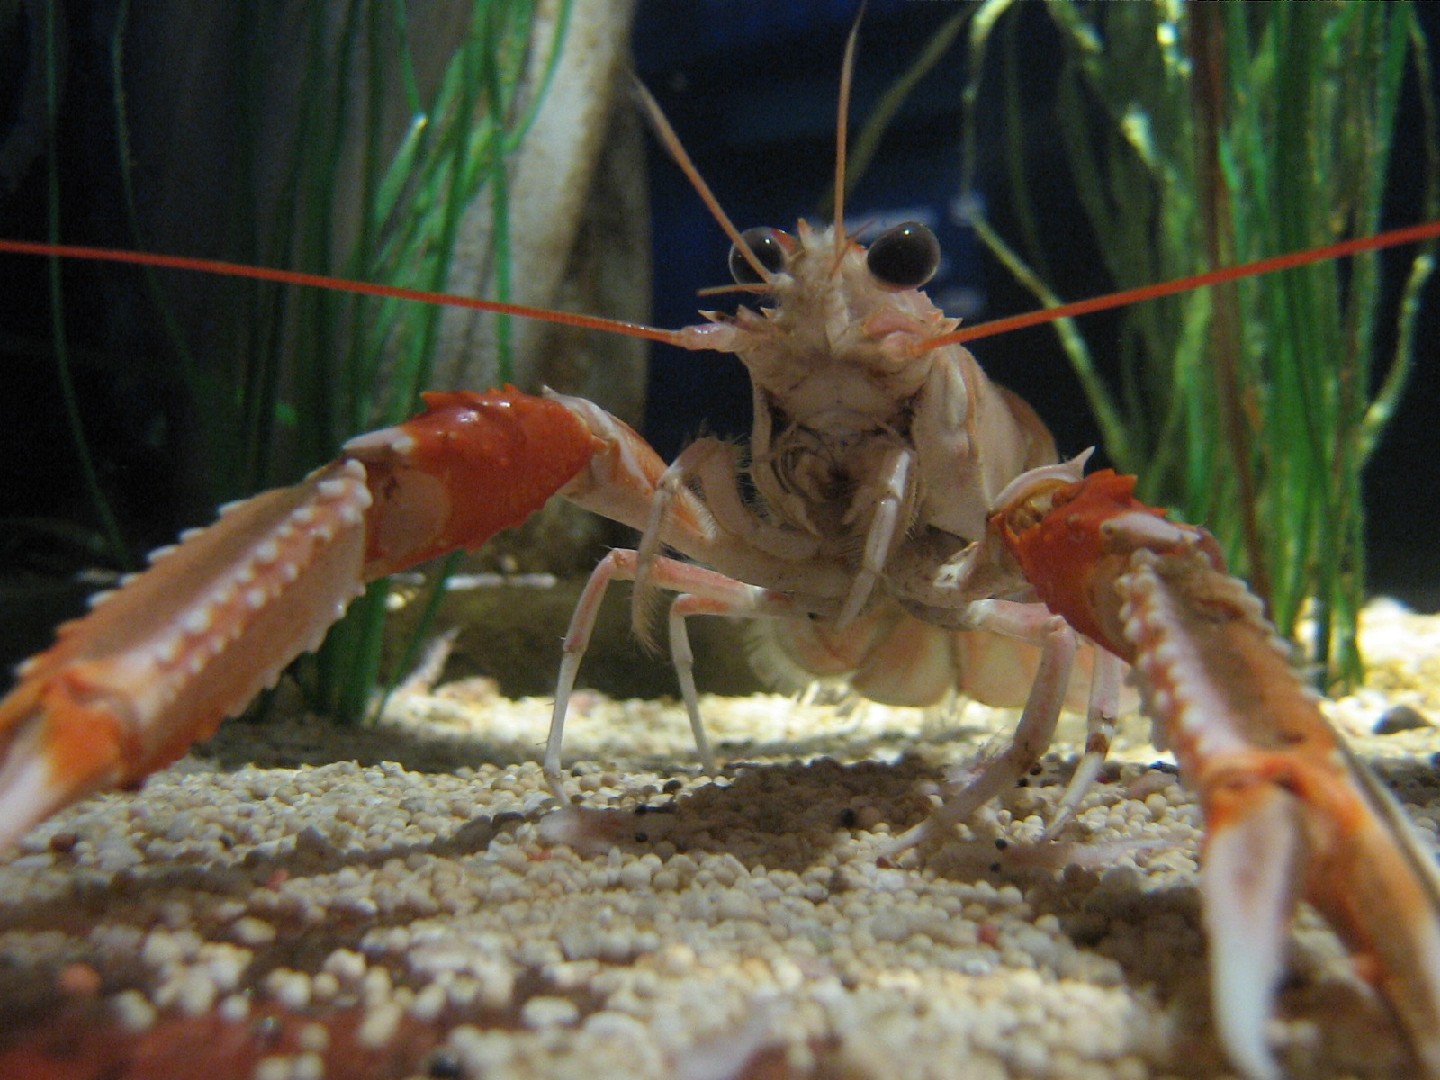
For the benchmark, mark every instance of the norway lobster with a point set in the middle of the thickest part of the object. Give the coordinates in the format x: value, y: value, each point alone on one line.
x: 900, y: 498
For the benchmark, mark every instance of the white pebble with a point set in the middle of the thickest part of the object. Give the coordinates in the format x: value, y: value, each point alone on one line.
x: 545, y: 1011
x: 379, y: 1026
x: 133, y: 1011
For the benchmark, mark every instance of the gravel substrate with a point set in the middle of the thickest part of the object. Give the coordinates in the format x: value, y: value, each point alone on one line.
x: 297, y: 901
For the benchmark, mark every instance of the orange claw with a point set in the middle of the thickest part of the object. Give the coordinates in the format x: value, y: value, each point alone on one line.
x: 1289, y: 812
x: 158, y: 663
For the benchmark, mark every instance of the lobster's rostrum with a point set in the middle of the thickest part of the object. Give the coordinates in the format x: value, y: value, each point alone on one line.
x: 898, y: 504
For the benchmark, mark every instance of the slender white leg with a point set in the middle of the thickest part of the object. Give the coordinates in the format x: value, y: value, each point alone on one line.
x: 1036, y: 729
x: 703, y: 592
x: 619, y: 563
x: 744, y: 602
x: 1100, y: 716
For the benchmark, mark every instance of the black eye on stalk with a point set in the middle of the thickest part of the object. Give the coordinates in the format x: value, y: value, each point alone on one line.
x: 904, y: 257
x: 768, y: 248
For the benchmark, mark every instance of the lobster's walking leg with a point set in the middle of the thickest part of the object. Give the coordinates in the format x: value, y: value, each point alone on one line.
x: 157, y: 663
x: 702, y: 592
x: 1289, y: 812
x: 1036, y: 728
x: 1100, y: 713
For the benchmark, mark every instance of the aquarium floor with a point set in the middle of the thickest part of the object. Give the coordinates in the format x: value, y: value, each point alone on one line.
x: 299, y: 901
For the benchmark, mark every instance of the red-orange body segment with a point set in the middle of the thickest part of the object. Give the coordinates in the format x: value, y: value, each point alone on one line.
x: 1062, y: 552
x: 1067, y: 555
x: 480, y: 463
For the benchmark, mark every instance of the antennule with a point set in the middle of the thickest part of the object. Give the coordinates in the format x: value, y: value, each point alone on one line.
x: 666, y: 134
x: 842, y: 125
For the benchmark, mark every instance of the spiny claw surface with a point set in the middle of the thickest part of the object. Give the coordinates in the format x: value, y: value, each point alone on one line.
x: 161, y: 660
x: 1289, y: 812
x: 127, y: 689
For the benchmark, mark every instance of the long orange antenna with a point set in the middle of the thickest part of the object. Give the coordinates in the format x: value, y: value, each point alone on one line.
x: 323, y: 281
x: 1393, y: 238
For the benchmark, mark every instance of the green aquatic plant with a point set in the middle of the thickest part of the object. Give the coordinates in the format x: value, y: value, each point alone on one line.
x: 456, y: 146
x: 1208, y: 135
x: 306, y: 369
